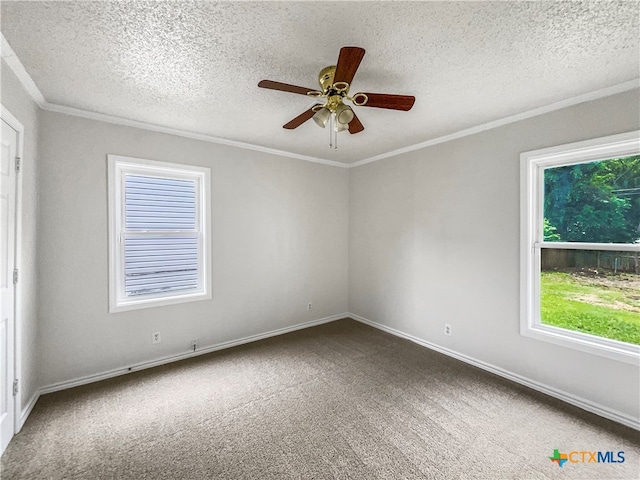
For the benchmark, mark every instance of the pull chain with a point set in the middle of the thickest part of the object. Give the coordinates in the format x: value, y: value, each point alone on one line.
x: 333, y: 132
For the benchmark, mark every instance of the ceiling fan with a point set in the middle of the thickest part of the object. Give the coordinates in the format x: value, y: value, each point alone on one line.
x: 335, y: 82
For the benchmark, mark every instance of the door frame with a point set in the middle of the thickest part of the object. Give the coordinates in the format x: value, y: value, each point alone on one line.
x: 14, y: 123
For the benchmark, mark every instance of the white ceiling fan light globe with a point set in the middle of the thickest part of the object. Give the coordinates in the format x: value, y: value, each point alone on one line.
x: 322, y: 117
x: 344, y: 114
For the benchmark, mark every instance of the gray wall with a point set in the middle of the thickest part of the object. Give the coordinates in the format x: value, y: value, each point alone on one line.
x: 279, y: 241
x: 15, y: 99
x: 383, y: 239
x: 434, y: 239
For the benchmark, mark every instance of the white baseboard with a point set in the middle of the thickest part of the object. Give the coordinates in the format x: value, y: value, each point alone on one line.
x: 582, y: 403
x: 174, y: 358
x: 26, y: 411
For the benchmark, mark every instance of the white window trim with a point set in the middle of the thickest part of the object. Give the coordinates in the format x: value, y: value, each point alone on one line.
x: 119, y: 165
x: 532, y: 166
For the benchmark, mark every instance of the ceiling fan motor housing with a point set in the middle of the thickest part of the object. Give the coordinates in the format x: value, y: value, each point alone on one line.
x: 325, y: 78
x: 334, y: 94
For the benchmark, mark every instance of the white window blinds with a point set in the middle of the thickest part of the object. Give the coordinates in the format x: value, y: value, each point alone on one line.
x: 161, y: 238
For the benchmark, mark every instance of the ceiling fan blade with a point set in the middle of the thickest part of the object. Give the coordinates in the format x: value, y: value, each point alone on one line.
x: 385, y: 100
x: 300, y: 119
x: 348, y: 62
x: 284, y: 87
x: 355, y: 126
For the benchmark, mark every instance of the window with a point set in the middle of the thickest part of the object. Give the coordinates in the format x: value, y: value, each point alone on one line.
x: 159, y: 226
x: 580, y: 246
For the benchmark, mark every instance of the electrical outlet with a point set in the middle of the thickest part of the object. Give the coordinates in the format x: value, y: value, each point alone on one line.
x: 309, y: 306
x: 447, y: 329
x: 155, y: 337
x: 194, y: 344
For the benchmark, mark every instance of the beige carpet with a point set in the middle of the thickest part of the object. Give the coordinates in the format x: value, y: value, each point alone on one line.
x: 341, y: 400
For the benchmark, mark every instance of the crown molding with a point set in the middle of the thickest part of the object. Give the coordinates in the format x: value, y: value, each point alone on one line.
x: 14, y: 63
x: 16, y: 66
x: 587, y: 97
x: 76, y: 112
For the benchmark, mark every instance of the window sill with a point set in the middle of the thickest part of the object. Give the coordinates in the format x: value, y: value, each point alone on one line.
x: 138, y: 303
x: 620, y: 351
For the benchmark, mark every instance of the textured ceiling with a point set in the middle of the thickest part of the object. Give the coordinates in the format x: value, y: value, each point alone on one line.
x: 195, y: 66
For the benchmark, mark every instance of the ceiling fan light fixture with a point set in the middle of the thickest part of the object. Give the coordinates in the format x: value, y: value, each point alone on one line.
x: 344, y: 114
x: 322, y: 117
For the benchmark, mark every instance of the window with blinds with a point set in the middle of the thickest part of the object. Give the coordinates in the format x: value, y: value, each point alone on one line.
x: 159, y: 248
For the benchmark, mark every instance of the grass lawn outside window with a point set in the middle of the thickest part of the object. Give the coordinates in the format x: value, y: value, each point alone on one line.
x: 596, y: 303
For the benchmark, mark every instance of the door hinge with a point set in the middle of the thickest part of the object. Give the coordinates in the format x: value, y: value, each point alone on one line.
x: 18, y: 161
x: 15, y: 276
x: 15, y: 387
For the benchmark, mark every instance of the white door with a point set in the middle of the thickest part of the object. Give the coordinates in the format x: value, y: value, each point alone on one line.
x: 7, y: 264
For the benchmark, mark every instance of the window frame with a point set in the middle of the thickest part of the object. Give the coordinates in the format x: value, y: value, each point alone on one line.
x: 532, y: 166
x: 118, y: 167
